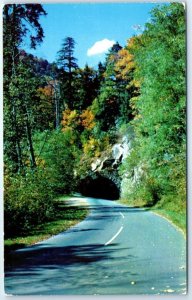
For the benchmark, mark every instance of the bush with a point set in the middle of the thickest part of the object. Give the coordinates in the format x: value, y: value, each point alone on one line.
x: 28, y: 201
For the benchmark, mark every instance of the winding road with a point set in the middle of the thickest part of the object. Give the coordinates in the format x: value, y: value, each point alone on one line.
x: 115, y: 250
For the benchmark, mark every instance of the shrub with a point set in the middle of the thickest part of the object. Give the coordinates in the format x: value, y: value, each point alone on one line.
x: 28, y: 201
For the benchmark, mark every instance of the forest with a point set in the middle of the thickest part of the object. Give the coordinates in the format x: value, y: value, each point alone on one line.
x: 60, y: 118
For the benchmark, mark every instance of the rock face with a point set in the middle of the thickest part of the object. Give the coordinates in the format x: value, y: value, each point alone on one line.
x: 103, y: 180
x: 122, y: 150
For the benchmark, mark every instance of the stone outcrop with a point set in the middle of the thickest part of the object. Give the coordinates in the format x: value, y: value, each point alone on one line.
x: 103, y: 180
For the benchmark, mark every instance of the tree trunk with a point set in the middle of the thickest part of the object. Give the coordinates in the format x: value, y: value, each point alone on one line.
x: 17, y: 140
x: 57, y: 105
x: 30, y: 142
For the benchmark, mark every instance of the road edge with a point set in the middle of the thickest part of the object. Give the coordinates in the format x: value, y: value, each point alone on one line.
x: 171, y: 222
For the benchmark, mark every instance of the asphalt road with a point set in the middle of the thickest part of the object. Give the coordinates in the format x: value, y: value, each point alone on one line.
x: 115, y: 250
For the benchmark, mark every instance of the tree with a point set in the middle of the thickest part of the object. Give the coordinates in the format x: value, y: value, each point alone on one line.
x: 18, y: 22
x: 125, y: 68
x: 58, y: 155
x: 25, y: 99
x: 66, y: 60
x: 111, y: 107
x: 87, y: 86
x: 68, y: 65
x: 160, y: 120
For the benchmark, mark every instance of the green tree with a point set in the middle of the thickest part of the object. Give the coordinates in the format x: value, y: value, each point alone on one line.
x: 111, y: 107
x: 68, y: 64
x: 87, y: 86
x: 26, y: 100
x: 100, y: 72
x: 160, y: 122
x: 19, y: 22
x: 57, y: 153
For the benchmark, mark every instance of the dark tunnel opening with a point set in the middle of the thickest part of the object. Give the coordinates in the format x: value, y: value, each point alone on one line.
x: 100, y: 187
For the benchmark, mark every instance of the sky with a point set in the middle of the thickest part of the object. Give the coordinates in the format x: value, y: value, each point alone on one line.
x: 95, y: 27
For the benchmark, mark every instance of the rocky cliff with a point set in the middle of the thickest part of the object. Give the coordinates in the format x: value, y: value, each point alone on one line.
x: 103, y: 180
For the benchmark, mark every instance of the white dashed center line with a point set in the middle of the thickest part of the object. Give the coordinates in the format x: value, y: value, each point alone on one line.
x: 122, y: 215
x: 109, y: 242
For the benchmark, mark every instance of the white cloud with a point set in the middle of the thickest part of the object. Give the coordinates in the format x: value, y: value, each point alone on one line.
x: 100, y: 47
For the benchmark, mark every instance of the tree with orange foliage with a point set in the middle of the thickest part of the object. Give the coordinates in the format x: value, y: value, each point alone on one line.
x: 87, y: 119
x: 112, y: 106
x: 126, y: 68
x: 72, y: 119
x: 45, y: 108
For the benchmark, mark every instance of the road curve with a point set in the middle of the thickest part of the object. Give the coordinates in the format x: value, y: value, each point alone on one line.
x: 115, y: 250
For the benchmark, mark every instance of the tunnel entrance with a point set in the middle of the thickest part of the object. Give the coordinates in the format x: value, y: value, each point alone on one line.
x: 99, y: 187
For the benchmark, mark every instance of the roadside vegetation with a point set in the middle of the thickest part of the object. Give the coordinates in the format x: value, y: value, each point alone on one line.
x: 59, y: 118
x: 158, y: 157
x: 65, y: 216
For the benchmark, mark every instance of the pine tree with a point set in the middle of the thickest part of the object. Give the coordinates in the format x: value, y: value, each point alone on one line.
x: 67, y: 63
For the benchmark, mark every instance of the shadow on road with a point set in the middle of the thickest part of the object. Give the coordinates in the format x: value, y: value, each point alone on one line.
x: 36, y: 257
x: 47, y: 255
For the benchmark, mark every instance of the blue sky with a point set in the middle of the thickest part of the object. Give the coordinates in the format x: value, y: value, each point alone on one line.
x: 90, y: 23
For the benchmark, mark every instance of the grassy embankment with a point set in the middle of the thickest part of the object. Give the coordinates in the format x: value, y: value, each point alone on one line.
x: 66, y: 215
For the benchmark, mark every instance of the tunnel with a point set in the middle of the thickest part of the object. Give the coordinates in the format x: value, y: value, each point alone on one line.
x: 99, y: 187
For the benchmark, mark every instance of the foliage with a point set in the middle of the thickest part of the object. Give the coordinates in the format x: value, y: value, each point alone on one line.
x: 19, y: 18
x: 28, y: 201
x: 65, y: 56
x: 65, y: 216
x: 29, y: 197
x: 67, y: 62
x: 77, y: 121
x: 20, y: 21
x: 57, y: 152
x: 87, y: 119
x: 44, y: 116
x: 18, y: 120
x: 111, y: 107
x: 59, y: 118
x: 159, y: 122
x: 86, y: 86
x: 70, y: 119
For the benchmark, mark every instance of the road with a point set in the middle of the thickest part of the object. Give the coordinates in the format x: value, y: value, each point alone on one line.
x: 115, y: 250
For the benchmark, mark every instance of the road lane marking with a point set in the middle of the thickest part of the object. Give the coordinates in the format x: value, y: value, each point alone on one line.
x: 114, y: 236
x: 122, y: 215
